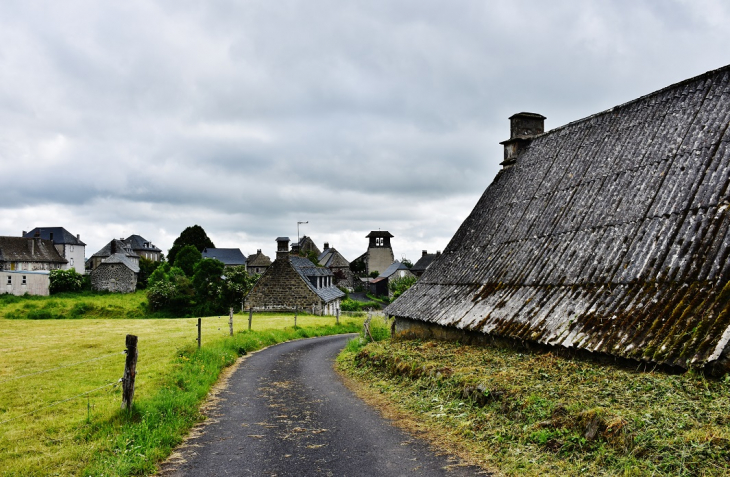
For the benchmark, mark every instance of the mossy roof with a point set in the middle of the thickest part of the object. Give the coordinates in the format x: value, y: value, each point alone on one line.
x: 609, y: 234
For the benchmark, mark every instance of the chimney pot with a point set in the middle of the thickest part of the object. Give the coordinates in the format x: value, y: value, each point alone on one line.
x: 326, y: 245
x: 258, y: 250
x: 424, y: 253
x: 282, y: 247
x: 24, y: 233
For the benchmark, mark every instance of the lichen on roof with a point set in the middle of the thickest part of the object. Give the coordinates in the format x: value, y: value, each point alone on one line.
x: 610, y: 234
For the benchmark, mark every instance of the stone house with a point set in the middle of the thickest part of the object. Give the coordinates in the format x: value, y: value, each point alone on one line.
x: 305, y: 245
x: 257, y: 263
x: 143, y: 248
x: 424, y: 262
x: 294, y: 282
x: 338, y: 264
x: 607, y: 236
x: 380, y: 285
x: 69, y: 246
x: 116, y: 273
x: 29, y: 254
x: 231, y: 257
x: 112, y: 248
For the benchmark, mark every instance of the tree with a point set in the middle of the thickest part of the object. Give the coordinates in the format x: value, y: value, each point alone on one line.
x: 187, y: 258
x: 407, y: 263
x: 207, y: 279
x: 400, y: 285
x: 146, y: 268
x: 65, y: 281
x: 236, y: 285
x: 194, y: 236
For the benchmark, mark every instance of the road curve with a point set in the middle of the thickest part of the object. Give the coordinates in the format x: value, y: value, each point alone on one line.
x: 285, y: 412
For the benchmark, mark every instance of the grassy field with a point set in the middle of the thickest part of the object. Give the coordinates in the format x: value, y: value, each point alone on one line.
x: 59, y: 404
x: 75, y: 305
x: 520, y: 413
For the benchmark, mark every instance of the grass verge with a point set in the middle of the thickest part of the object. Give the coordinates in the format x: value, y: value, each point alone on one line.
x: 88, y: 434
x: 537, y: 414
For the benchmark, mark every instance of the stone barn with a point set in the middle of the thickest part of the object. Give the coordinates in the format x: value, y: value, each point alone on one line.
x: 294, y: 282
x: 609, y: 235
x: 116, y: 273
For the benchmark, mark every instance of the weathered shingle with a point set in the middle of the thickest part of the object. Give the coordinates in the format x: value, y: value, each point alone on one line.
x: 609, y: 234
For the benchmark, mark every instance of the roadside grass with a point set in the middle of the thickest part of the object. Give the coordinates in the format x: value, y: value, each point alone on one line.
x: 85, y: 304
x: 89, y: 434
x: 537, y: 414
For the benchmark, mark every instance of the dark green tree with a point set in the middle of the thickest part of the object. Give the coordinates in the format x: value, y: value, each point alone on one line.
x: 146, y: 268
x: 186, y: 259
x: 194, y: 236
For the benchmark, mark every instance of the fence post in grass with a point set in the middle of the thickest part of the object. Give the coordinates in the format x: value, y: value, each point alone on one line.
x: 230, y: 320
x: 296, y: 308
x: 337, y: 315
x: 199, y: 333
x: 250, y: 317
x: 130, y: 372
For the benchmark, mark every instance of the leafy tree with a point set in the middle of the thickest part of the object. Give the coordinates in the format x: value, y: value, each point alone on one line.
x: 65, y: 281
x: 407, y: 263
x: 159, y: 275
x: 374, y: 274
x: 357, y: 267
x: 236, y: 285
x: 399, y: 285
x: 207, y: 279
x: 194, y: 236
x: 187, y: 258
x: 146, y: 268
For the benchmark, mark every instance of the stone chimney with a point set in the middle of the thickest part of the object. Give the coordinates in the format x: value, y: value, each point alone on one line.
x: 523, y: 127
x: 424, y: 253
x: 258, y: 251
x: 326, y: 245
x: 282, y: 247
x: 113, y: 247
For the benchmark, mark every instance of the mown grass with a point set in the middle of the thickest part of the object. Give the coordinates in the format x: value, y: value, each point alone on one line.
x: 90, y: 435
x: 537, y: 414
x: 76, y: 305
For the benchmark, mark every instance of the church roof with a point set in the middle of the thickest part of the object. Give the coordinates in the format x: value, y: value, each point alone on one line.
x: 610, y: 234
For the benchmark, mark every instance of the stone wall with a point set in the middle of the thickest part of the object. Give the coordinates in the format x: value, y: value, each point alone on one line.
x: 281, y: 288
x: 379, y: 259
x: 113, y: 277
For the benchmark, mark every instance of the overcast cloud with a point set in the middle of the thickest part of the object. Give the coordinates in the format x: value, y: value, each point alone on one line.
x: 246, y: 117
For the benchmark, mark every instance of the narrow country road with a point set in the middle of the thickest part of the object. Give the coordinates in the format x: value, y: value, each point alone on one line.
x: 286, y: 412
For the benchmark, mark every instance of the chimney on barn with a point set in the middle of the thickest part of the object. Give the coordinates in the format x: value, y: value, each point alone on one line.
x: 523, y: 127
x: 282, y: 247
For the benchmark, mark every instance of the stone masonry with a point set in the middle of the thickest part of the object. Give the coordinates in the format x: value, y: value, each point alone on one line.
x: 113, y: 277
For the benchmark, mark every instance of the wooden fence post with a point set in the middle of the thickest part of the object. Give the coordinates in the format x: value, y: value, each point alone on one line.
x: 337, y: 315
x: 130, y: 372
x: 199, y: 333
x: 230, y: 320
x: 250, y: 317
x: 296, y: 308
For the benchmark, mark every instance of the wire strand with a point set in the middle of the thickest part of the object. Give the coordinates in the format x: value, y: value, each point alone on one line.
x: 61, y: 367
x: 57, y: 403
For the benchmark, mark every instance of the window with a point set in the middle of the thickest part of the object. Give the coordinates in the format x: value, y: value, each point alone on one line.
x: 24, y: 281
x: 378, y: 241
x: 10, y: 279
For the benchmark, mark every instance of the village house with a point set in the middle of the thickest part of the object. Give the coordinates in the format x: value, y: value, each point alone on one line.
x: 113, y: 247
x: 608, y: 236
x: 424, y: 262
x: 338, y: 264
x: 305, y: 246
x: 26, y: 263
x: 69, y: 246
x: 143, y: 248
x: 231, y: 257
x: 295, y: 283
x: 257, y: 263
x: 380, y: 285
x: 116, y: 273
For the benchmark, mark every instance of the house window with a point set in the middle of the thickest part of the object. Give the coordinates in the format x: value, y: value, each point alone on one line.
x: 10, y: 279
x: 24, y: 282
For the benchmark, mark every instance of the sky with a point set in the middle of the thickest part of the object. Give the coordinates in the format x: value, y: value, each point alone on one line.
x: 246, y: 117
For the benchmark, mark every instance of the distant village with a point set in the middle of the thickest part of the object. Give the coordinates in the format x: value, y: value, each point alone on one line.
x: 301, y: 275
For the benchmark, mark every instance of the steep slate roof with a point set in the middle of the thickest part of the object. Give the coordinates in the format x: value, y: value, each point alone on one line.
x: 229, y: 256
x: 332, y: 258
x: 610, y: 234
x: 60, y: 235
x: 307, y: 269
x: 22, y: 249
x: 120, y: 245
x: 137, y: 242
x: 120, y: 258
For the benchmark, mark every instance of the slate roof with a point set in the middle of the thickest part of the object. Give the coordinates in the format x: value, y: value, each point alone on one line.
x: 424, y: 262
x: 120, y: 245
x: 379, y: 233
x: 22, y: 249
x: 307, y: 269
x: 120, y: 258
x: 610, y: 234
x: 229, y: 256
x: 60, y: 235
x: 394, y: 267
x: 137, y: 242
x: 330, y: 257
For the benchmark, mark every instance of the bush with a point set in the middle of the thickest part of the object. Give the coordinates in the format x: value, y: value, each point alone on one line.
x: 65, y: 281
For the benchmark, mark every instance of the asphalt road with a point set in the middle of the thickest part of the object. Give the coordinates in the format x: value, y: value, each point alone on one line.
x: 286, y: 412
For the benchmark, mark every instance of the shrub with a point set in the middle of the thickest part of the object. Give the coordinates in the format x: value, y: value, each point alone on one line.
x: 65, y: 281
